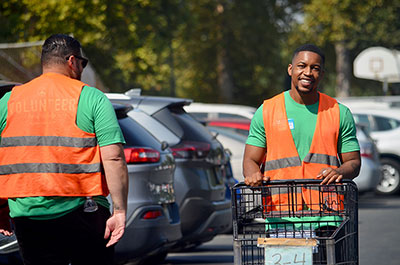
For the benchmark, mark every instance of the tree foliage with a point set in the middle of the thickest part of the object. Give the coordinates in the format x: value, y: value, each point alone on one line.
x: 354, y: 24
x: 209, y: 50
x: 167, y: 47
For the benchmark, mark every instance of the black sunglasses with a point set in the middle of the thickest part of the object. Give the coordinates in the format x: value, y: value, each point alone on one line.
x: 84, y: 60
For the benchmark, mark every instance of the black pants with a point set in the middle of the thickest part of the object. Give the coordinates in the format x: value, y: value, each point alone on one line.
x: 76, y: 238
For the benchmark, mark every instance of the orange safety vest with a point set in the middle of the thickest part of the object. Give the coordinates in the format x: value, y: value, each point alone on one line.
x: 42, y: 150
x: 283, y: 161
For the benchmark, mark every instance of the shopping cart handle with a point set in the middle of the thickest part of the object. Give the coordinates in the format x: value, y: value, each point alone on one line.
x: 292, y: 181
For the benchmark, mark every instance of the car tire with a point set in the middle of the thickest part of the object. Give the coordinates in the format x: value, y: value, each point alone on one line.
x: 389, y: 183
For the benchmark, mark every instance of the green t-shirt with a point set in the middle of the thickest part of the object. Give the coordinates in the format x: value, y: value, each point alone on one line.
x: 95, y: 114
x: 302, y: 120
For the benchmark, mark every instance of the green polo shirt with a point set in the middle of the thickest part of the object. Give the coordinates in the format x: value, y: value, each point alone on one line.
x: 95, y: 114
x: 302, y: 120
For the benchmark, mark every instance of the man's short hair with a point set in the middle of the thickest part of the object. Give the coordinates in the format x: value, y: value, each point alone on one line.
x: 310, y: 48
x: 58, y: 47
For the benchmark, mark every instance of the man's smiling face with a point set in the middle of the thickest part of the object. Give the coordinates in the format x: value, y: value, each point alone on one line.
x: 306, y: 71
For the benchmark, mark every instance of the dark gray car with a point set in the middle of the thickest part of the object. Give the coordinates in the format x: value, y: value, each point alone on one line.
x: 200, y: 165
x: 153, y: 223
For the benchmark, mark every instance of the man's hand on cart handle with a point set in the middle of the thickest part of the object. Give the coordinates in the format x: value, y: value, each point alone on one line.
x: 255, y: 179
x: 329, y: 175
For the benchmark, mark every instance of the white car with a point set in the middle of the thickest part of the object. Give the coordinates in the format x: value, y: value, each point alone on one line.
x: 215, y: 111
x: 383, y: 125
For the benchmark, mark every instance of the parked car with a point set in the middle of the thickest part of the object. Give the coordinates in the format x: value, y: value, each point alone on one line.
x: 370, y: 171
x: 9, y: 250
x: 204, y: 209
x: 384, y: 127
x: 215, y: 111
x: 237, y: 126
x: 371, y: 102
x: 153, y: 222
x: 235, y: 143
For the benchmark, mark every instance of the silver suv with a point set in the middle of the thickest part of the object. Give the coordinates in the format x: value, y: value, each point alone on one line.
x: 153, y: 223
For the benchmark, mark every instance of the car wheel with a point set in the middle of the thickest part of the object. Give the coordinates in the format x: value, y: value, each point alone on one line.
x: 390, y: 179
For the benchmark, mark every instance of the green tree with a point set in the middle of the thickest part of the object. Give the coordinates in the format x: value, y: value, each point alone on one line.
x: 350, y: 25
x: 127, y: 41
x: 232, y: 50
x: 208, y: 50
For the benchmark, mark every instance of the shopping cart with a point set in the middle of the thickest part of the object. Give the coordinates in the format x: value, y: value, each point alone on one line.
x: 267, y: 230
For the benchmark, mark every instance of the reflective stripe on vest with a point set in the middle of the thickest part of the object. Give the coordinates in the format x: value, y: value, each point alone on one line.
x: 42, y: 151
x: 49, y: 168
x: 48, y: 141
x: 322, y: 159
x: 282, y: 159
x: 283, y: 163
x: 296, y: 162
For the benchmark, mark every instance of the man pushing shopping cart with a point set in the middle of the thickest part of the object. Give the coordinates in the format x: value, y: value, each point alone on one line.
x: 302, y: 144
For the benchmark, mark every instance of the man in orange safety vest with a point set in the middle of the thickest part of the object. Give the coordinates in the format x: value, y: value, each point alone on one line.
x: 61, y: 154
x: 302, y: 134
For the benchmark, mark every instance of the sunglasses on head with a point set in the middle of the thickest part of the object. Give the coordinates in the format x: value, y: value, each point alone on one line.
x: 84, y: 60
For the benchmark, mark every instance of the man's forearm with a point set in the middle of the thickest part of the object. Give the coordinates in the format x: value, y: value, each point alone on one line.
x: 350, y: 169
x: 351, y: 163
x: 250, y: 167
x: 116, y: 175
x: 117, y: 182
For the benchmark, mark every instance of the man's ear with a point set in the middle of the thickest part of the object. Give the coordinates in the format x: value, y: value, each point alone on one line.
x: 71, y: 63
x: 289, y: 69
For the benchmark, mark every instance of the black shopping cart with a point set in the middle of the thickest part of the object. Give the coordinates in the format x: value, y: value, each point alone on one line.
x: 295, y: 222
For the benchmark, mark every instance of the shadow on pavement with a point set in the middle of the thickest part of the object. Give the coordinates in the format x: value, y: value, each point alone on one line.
x: 373, y: 201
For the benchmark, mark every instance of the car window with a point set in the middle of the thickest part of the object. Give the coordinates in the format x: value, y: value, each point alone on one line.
x: 182, y: 124
x: 136, y: 135
x: 164, y: 116
x: 194, y: 131
x: 154, y: 127
x: 385, y: 124
x: 364, y: 120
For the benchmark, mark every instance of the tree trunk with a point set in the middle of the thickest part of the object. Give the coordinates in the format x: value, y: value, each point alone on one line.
x: 172, y: 78
x: 343, y: 70
x: 225, y: 80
